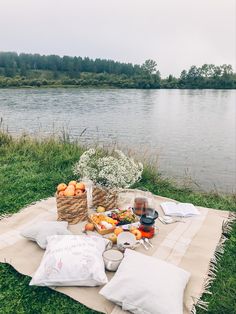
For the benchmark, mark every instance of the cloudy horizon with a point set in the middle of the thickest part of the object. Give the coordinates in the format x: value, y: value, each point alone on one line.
x: 175, y: 34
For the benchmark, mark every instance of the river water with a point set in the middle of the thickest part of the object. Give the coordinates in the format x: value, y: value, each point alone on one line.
x: 191, y: 131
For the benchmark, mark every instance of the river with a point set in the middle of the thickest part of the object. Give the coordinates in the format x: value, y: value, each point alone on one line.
x: 191, y: 131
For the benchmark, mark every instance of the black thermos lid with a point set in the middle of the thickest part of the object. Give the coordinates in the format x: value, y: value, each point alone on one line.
x: 147, y: 221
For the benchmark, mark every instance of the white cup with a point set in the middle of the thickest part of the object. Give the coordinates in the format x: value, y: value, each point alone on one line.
x: 126, y: 240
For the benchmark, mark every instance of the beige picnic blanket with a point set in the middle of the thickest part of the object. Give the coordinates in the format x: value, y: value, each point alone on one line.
x: 190, y: 245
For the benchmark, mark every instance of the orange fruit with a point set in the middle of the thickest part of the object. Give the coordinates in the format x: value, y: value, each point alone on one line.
x: 118, y: 230
x: 61, y: 193
x: 61, y: 187
x: 80, y: 186
x: 72, y: 183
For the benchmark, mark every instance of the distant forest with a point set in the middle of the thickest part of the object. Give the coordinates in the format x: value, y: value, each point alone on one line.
x: 34, y: 70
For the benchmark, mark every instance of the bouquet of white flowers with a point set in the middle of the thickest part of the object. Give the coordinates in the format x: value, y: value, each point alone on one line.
x: 114, y: 171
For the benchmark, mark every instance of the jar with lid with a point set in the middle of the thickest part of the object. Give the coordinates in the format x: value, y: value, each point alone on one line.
x: 147, y: 227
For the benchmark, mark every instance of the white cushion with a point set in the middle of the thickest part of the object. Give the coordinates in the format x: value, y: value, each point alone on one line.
x: 72, y: 260
x: 40, y: 231
x: 147, y: 285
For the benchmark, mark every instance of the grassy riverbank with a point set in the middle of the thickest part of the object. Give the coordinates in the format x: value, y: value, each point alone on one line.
x: 29, y: 171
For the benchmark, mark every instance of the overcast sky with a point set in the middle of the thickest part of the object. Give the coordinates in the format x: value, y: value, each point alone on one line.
x: 175, y: 33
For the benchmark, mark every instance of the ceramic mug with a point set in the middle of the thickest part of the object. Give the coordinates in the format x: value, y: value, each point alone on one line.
x: 126, y: 240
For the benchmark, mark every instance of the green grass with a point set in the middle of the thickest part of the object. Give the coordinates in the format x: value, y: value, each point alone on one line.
x: 29, y: 171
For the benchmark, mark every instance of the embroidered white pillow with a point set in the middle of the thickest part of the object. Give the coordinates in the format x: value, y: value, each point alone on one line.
x: 40, y: 231
x: 72, y: 260
x: 147, y: 285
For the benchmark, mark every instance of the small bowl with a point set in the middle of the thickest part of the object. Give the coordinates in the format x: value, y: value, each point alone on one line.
x: 112, y: 259
x: 126, y: 240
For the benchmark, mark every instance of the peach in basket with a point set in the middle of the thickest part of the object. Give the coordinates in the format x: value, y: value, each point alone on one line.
x: 61, y: 187
x: 80, y: 186
x: 69, y: 191
x: 74, y: 188
x: 78, y: 192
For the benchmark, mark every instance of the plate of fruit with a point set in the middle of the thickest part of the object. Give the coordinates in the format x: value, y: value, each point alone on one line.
x: 103, y: 223
x: 122, y: 216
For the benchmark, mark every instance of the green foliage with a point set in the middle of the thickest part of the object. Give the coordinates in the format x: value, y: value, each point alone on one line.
x: 29, y: 171
x: 170, y: 82
x: 72, y: 66
x: 149, y: 67
x: 208, y: 76
x: 34, y: 70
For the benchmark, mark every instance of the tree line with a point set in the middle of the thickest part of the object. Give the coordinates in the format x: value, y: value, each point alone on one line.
x: 14, y: 63
x: 17, y: 70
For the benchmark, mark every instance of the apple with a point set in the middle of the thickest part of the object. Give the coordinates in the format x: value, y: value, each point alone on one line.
x: 137, y: 233
x: 113, y: 238
x: 132, y: 228
x: 89, y: 226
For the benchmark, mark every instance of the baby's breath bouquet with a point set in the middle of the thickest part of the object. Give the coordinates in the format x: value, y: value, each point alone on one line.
x: 112, y: 171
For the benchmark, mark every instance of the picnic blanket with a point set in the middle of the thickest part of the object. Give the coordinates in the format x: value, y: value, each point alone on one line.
x: 190, y: 245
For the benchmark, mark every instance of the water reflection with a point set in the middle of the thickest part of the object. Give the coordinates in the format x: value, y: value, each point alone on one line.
x: 192, y: 130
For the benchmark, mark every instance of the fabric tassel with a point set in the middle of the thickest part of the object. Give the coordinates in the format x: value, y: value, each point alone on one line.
x: 212, y: 271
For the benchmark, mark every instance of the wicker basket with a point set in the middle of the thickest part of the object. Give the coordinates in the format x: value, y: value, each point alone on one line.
x: 104, y: 197
x: 72, y: 208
